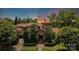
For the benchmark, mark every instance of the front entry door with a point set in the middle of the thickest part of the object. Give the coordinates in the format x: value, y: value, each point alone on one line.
x: 40, y: 39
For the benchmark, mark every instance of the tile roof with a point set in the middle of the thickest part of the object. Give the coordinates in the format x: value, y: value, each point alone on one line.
x: 55, y: 30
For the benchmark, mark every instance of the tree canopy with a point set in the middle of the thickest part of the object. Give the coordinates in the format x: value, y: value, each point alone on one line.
x: 8, y: 33
x: 70, y: 37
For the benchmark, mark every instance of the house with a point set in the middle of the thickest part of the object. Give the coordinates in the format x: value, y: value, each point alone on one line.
x: 38, y: 27
x: 40, y: 23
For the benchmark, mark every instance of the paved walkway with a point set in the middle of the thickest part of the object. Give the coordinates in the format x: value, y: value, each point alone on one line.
x: 40, y: 47
x: 19, y: 46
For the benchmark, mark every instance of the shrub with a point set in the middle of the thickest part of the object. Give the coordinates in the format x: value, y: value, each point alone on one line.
x: 26, y: 37
x: 48, y: 33
x: 8, y: 34
x: 70, y: 37
x: 30, y: 35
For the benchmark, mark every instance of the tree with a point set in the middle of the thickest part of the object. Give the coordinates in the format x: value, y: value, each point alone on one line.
x: 16, y: 20
x: 8, y: 19
x: 54, y: 19
x: 67, y: 17
x: 63, y: 18
x: 33, y: 34
x: 48, y: 33
x: 24, y: 20
x: 8, y: 35
x: 77, y: 22
x: 30, y: 34
x: 26, y: 36
x: 34, y: 20
x: 70, y: 37
x: 19, y: 20
x: 28, y: 20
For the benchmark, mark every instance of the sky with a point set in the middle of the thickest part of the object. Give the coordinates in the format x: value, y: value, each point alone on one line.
x: 28, y: 12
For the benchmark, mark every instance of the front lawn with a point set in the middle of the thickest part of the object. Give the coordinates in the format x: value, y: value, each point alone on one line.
x: 54, y: 48
x: 29, y: 48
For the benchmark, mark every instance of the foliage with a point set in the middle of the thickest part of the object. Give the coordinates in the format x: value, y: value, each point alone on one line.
x: 16, y: 20
x: 54, y: 19
x: 30, y: 35
x: 67, y: 17
x: 29, y: 20
x: 34, y: 21
x: 24, y: 20
x: 26, y: 36
x: 7, y: 19
x: 19, y: 20
x: 33, y: 34
x: 77, y: 22
x: 8, y: 33
x: 63, y: 18
x: 48, y: 33
x: 70, y: 37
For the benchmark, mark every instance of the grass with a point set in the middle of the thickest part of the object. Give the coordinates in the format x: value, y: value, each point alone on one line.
x: 54, y: 48
x: 29, y: 48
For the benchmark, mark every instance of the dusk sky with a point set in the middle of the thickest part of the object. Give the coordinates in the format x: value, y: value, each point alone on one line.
x: 27, y: 12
